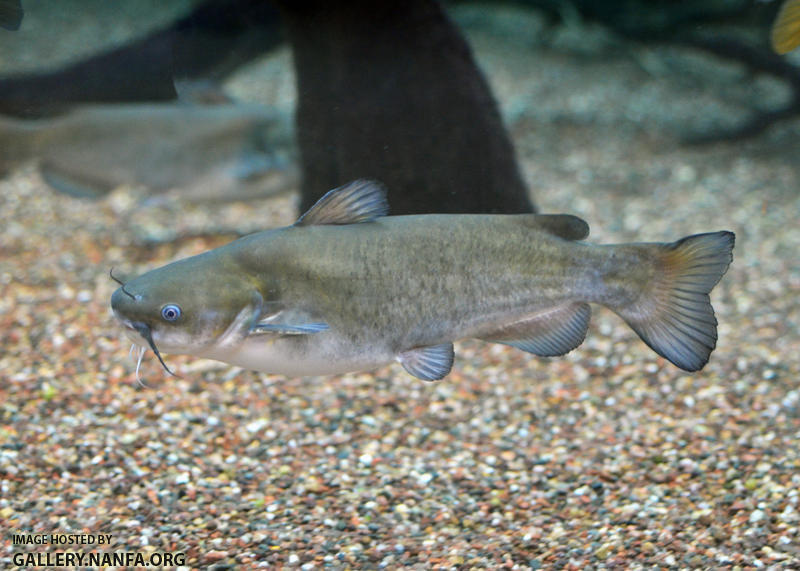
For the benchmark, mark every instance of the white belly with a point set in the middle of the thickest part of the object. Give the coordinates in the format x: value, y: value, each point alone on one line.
x: 300, y: 356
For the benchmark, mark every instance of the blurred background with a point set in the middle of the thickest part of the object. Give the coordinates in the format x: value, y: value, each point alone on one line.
x: 134, y: 133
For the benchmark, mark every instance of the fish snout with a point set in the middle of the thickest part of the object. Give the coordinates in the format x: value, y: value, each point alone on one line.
x: 123, y: 302
x: 117, y: 301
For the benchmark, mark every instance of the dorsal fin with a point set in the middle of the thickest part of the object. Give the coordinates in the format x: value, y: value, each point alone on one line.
x: 11, y: 14
x: 564, y: 226
x: 355, y: 202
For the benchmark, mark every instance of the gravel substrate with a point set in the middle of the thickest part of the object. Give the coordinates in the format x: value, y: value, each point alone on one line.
x: 607, y: 458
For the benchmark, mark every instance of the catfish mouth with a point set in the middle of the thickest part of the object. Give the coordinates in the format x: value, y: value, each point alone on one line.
x: 144, y: 333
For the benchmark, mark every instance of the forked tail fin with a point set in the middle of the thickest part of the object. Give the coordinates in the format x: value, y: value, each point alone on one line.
x: 674, y: 314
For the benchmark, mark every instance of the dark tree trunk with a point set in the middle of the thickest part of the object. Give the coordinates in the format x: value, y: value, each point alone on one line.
x: 390, y: 91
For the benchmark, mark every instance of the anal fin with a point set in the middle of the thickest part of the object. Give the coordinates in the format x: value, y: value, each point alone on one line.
x: 428, y: 363
x: 548, y: 333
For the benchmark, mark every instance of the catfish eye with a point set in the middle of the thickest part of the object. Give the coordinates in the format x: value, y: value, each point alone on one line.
x: 170, y: 312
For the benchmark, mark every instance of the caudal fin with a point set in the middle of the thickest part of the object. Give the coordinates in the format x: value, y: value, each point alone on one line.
x: 674, y: 314
x: 785, y: 34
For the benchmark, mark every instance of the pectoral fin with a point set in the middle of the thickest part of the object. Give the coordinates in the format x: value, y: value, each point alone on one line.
x: 428, y: 363
x: 289, y: 329
x: 288, y: 322
x: 549, y: 333
x: 253, y: 165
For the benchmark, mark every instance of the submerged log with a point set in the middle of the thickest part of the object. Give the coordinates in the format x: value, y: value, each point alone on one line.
x: 390, y: 91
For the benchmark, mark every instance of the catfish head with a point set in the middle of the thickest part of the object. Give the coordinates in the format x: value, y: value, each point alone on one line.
x: 189, y: 306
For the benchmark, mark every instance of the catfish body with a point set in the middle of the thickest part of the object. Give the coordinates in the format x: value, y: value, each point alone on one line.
x: 204, y: 152
x: 347, y: 289
x: 396, y: 284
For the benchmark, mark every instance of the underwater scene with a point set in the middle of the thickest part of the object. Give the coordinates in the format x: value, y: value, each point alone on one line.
x: 425, y: 285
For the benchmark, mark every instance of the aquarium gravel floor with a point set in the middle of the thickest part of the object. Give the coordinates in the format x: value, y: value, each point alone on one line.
x: 608, y: 458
